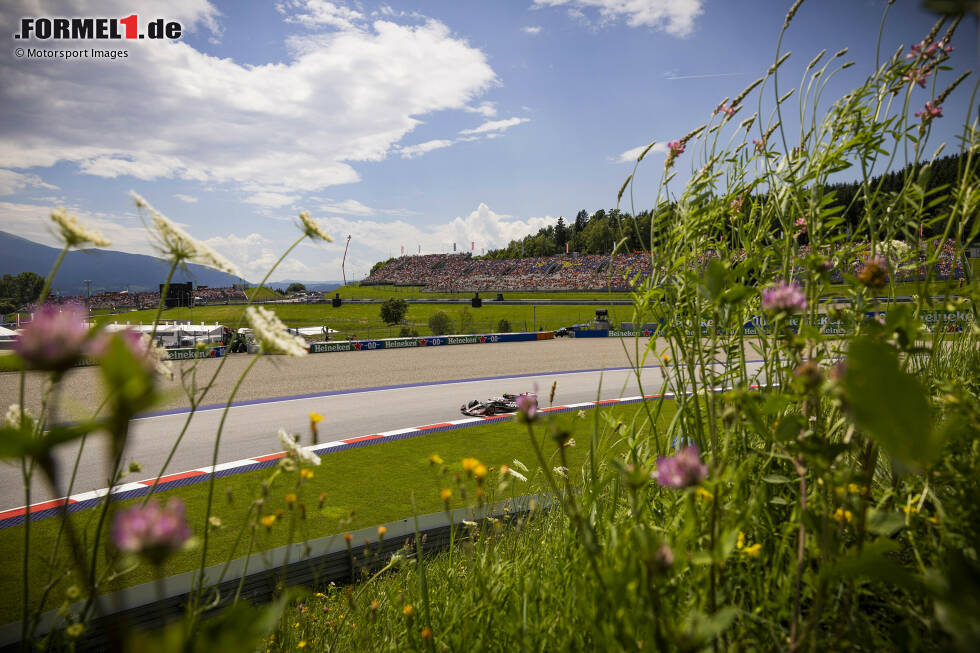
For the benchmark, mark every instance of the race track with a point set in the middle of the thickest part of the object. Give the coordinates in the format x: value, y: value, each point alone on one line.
x: 251, y: 426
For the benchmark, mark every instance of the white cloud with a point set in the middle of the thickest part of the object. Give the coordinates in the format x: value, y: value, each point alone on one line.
x: 495, y: 126
x: 531, y: 29
x: 353, y: 207
x: 630, y: 156
x: 11, y: 182
x: 312, y: 13
x: 255, y: 254
x: 346, y: 95
x: 190, y: 199
x: 32, y: 221
x: 672, y: 16
x: 270, y: 200
x: 411, y: 151
x: 485, y: 109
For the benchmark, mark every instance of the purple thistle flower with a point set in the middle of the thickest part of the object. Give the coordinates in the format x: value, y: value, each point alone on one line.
x: 151, y: 531
x: 784, y: 297
x: 683, y: 469
x: 54, y: 339
x: 527, y: 406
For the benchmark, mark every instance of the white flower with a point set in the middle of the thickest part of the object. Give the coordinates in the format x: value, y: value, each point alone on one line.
x: 517, y: 474
x: 561, y: 471
x: 471, y: 524
x: 895, y: 251
x: 520, y: 465
x: 302, y: 453
x: 14, y: 416
x: 177, y: 245
x: 272, y: 334
x: 74, y: 233
x: 312, y: 229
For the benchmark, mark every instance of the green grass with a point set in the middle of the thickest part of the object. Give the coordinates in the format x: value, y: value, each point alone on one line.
x: 261, y: 293
x: 365, y: 486
x: 415, y: 292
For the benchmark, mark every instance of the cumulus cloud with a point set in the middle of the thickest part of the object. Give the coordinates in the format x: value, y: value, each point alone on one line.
x: 495, y: 126
x: 675, y: 17
x: 255, y: 254
x: 531, y: 29
x: 347, y: 93
x: 270, y: 200
x: 630, y: 156
x: 31, y: 221
x: 11, y: 182
x: 485, y: 109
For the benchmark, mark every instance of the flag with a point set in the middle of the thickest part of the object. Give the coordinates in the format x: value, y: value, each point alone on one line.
x: 522, y: 250
x: 454, y: 247
x: 472, y: 245
x: 566, y: 248
x: 403, y: 250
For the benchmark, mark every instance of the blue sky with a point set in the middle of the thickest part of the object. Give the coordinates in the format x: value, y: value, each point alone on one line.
x: 414, y: 124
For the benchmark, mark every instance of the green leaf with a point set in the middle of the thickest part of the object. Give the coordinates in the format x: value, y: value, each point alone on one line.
x: 779, y: 501
x: 776, y: 478
x: 885, y: 522
x: 889, y: 403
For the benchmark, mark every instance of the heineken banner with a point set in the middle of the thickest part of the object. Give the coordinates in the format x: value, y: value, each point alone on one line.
x: 192, y: 352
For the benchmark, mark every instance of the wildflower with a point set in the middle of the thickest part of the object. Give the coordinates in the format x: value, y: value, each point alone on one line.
x: 290, y: 499
x: 519, y: 465
x: 16, y: 417
x: 315, y: 418
x: 469, y: 464
x: 663, y: 558
x: 306, y: 474
x: 760, y: 144
x: 74, y: 631
x: 154, y: 359
x: 348, y: 537
x: 272, y: 334
x: 445, y: 494
x: 268, y: 520
x: 215, y: 521
x: 323, y: 497
x: 288, y: 465
x: 752, y: 551
x: 381, y: 532
x: 703, y: 494
x: 916, y: 76
x: 809, y: 373
x: 561, y: 470
x: 929, y: 112
x: 480, y: 472
x: 683, y: 469
x: 676, y: 148
x: 580, y: 414
x: 74, y: 233
x: 408, y: 610
x: 434, y: 459
x: 426, y: 634
x: 73, y: 593
x: 736, y: 204
x: 740, y: 542
x: 54, y: 340
x: 151, y: 531
x: 302, y: 643
x: 854, y: 488
x: 177, y: 245
x: 728, y: 110
x: 312, y: 229
x: 783, y: 297
x: 800, y: 226
x: 527, y: 407
x: 841, y: 515
x: 874, y: 274
x: 302, y: 453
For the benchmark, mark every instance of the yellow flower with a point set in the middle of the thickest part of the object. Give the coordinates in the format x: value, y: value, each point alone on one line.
x: 445, y: 493
x: 290, y: 498
x: 909, y: 510
x: 315, y: 418
x: 268, y: 520
x: 320, y: 595
x: 434, y: 459
x: 703, y: 494
x: 408, y: 610
x: 381, y: 531
x: 302, y: 644
x: 854, y: 488
x: 469, y: 464
x: 306, y: 474
x: 480, y: 472
x: 841, y: 515
x: 426, y: 634
x: 741, y: 541
x: 753, y: 551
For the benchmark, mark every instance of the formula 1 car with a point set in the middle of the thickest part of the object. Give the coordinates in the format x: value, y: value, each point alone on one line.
x: 507, y: 403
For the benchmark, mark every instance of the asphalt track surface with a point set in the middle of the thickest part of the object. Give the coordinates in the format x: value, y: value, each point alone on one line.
x: 358, y: 393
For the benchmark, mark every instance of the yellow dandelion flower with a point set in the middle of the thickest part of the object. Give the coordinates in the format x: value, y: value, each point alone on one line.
x: 320, y: 595
x: 753, y: 551
x: 854, y: 488
x: 445, y: 494
x: 426, y: 634
x: 408, y: 610
x: 741, y: 541
x: 302, y: 643
x: 480, y: 472
x: 840, y: 516
x: 435, y: 459
x: 315, y: 418
x: 348, y: 537
x: 268, y: 520
x: 469, y: 464
x: 703, y: 494
x: 381, y: 531
x: 290, y: 498
x: 306, y: 474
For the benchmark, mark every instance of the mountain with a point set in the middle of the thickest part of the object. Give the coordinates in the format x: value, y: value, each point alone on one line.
x: 107, y: 270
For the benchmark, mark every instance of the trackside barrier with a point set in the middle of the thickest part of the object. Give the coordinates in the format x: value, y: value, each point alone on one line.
x: 428, y: 341
x: 316, y: 564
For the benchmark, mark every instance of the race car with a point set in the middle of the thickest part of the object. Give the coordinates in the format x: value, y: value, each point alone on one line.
x: 507, y: 403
